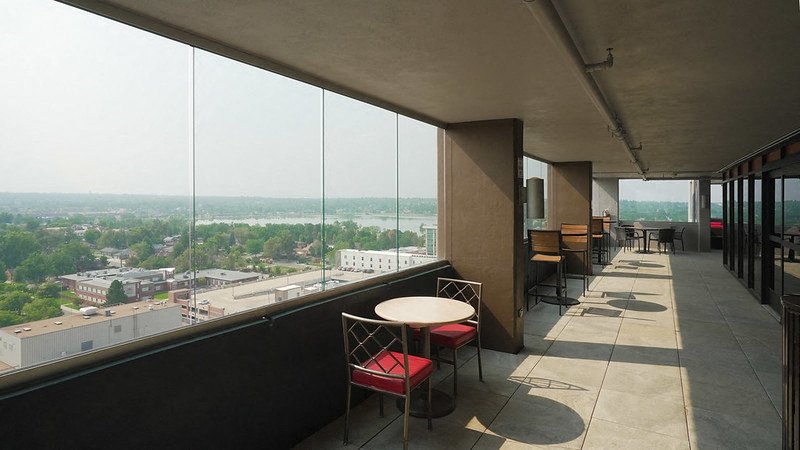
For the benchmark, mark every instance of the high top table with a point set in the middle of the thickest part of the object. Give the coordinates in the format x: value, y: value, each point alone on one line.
x: 425, y: 313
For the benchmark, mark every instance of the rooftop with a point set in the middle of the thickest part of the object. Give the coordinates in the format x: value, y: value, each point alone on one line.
x: 227, y: 275
x: 55, y: 324
x: 664, y: 352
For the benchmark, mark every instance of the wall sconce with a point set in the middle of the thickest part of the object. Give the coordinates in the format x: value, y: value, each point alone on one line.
x: 535, y: 198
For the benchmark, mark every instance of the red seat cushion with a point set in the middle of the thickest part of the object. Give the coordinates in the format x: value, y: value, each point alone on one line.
x: 418, y: 370
x: 453, y: 335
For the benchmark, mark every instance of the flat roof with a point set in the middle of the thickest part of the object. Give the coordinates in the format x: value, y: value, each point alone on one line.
x: 228, y: 275
x: 45, y: 326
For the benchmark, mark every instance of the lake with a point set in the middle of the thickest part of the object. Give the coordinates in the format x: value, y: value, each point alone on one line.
x: 406, y: 223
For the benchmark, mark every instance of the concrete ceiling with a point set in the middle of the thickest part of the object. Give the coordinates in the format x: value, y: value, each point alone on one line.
x: 698, y: 83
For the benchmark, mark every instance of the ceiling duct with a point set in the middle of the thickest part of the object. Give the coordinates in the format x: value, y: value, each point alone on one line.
x: 546, y: 15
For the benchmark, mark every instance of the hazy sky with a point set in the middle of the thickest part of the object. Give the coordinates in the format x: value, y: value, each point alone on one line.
x: 90, y: 105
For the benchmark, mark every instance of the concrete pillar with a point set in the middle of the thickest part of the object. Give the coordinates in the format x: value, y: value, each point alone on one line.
x: 605, y: 195
x: 570, y: 197
x: 480, y: 221
x: 704, y: 215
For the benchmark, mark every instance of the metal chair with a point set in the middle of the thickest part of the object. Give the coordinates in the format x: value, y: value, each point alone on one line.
x: 575, y: 239
x: 627, y: 236
x: 457, y: 335
x: 679, y: 237
x: 545, y: 248
x: 373, y: 362
x: 665, y: 236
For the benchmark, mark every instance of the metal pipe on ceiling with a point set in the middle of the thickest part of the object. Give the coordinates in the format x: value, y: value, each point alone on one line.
x: 546, y: 15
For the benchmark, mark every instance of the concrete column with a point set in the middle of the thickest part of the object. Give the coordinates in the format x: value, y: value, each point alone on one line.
x: 605, y: 195
x: 480, y: 221
x: 570, y: 197
x: 704, y: 215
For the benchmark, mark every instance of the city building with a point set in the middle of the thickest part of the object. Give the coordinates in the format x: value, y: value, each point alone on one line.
x: 138, y: 284
x: 430, y: 239
x: 32, y: 343
x: 222, y: 277
x: 380, y: 261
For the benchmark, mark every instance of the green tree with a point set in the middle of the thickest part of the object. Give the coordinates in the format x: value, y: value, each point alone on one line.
x: 91, y: 236
x: 50, y: 290
x: 9, y: 318
x: 280, y: 246
x: 41, y: 308
x: 116, y: 293
x: 34, y: 269
x: 14, y: 301
x: 15, y: 246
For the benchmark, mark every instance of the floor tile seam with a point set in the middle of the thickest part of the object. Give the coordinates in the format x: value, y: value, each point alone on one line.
x: 644, y: 429
x: 741, y: 349
x: 684, y: 394
x: 384, y: 428
x: 602, y: 382
x: 747, y: 418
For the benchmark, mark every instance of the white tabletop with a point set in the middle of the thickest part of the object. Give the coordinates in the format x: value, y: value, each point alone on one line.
x: 421, y: 312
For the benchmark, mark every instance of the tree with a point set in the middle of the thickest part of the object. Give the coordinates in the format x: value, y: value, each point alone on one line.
x: 116, y: 293
x: 91, y: 236
x: 51, y: 290
x: 41, y: 308
x: 34, y: 269
x: 15, y: 246
x: 14, y: 301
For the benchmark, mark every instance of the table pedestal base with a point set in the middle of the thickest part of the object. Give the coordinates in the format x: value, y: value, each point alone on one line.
x: 442, y: 403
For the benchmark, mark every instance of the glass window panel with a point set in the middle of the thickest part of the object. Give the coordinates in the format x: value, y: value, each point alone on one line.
x: 417, y: 185
x: 655, y: 200
x: 747, y: 241
x: 757, y: 235
x: 716, y: 201
x: 360, y: 187
x: 95, y: 180
x: 777, y: 229
x: 258, y: 187
x: 538, y: 169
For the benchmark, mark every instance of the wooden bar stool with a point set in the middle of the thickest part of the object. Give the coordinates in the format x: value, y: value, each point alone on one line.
x: 545, y: 248
x: 575, y: 239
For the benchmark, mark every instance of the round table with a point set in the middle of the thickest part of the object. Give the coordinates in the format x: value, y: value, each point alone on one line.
x: 424, y: 313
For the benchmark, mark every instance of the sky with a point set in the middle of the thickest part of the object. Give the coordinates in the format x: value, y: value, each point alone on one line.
x: 91, y: 105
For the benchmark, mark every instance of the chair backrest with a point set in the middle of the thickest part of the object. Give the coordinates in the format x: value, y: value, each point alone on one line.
x: 666, y: 234
x: 597, y: 225
x: 545, y: 241
x: 463, y: 290
x: 368, y: 346
x: 679, y: 234
x: 575, y: 236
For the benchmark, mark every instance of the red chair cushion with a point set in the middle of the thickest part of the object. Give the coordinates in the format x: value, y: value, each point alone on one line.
x: 453, y: 335
x: 418, y: 370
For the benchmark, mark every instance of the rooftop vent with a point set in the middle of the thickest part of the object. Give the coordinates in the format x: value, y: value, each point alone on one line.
x: 58, y: 322
x: 27, y: 328
x: 17, y: 331
x: 87, y: 317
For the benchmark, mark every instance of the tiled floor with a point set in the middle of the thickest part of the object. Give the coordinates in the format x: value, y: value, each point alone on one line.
x: 663, y: 352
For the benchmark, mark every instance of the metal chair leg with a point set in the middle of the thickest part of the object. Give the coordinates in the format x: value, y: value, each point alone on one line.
x: 405, y: 419
x: 480, y: 366
x: 430, y: 408
x: 455, y: 372
x: 347, y: 414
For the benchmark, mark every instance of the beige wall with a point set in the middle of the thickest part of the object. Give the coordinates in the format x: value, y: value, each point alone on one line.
x: 480, y: 220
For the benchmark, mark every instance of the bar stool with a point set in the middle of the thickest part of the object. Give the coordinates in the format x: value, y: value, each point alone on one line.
x: 545, y: 248
x: 598, y: 235
x: 575, y: 239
